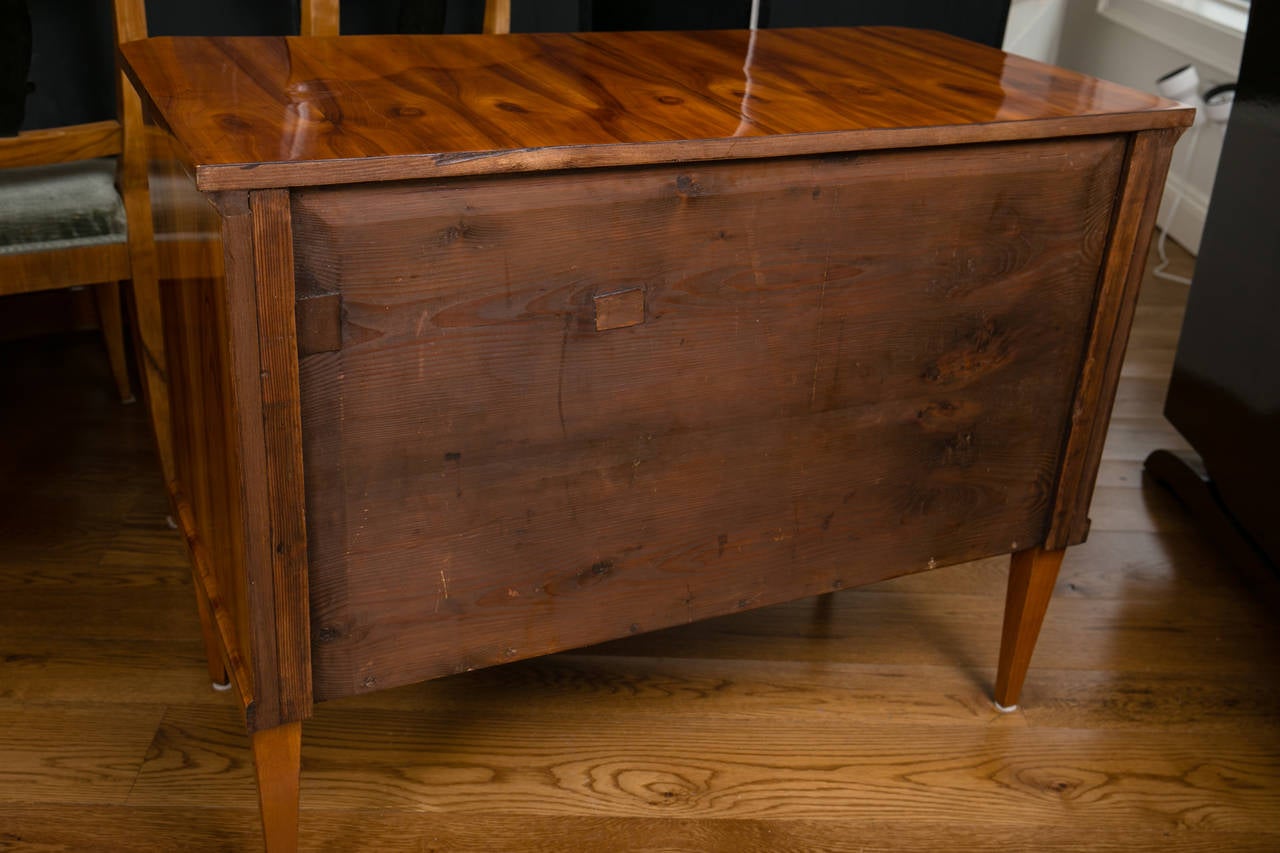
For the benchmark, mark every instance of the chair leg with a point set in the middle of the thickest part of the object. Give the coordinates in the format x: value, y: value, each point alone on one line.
x: 277, y: 761
x: 1032, y: 574
x: 111, y: 320
x: 149, y: 336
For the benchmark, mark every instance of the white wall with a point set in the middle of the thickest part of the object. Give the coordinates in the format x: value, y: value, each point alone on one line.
x: 1034, y: 29
x: 1094, y: 44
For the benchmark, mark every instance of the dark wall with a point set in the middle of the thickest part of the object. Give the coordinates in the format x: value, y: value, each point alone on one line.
x: 1225, y: 392
x: 670, y: 15
x: 15, y: 60
x: 977, y: 20
x: 72, y: 46
x: 73, y: 49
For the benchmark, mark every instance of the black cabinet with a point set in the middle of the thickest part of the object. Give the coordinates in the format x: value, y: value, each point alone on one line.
x: 1225, y: 393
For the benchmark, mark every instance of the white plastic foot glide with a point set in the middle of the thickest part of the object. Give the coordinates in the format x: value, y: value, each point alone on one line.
x: 173, y: 525
x: 223, y: 687
x: 1002, y: 709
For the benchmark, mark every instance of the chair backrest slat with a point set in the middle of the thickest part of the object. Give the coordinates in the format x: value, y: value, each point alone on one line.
x: 130, y: 20
x: 61, y: 144
x: 319, y: 18
x: 497, y: 16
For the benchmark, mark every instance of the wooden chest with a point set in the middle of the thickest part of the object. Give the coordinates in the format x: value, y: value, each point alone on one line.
x: 482, y: 348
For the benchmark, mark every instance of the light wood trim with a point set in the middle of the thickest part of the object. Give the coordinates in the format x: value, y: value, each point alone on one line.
x: 61, y: 144
x: 130, y: 20
x: 1121, y: 276
x: 57, y: 268
x: 216, y: 178
x: 277, y: 762
x: 497, y: 16
x: 258, y: 257
x: 320, y: 18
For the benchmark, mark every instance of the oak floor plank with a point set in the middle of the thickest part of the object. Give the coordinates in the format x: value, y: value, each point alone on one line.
x: 705, y: 766
x: 64, y: 670
x: 72, y: 753
x: 1130, y: 438
x: 113, y: 830
x: 925, y: 628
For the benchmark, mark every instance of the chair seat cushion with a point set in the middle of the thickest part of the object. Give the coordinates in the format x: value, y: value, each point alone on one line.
x: 60, y: 207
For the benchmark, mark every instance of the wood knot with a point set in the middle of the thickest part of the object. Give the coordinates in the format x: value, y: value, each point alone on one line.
x: 688, y: 186
x: 959, y: 450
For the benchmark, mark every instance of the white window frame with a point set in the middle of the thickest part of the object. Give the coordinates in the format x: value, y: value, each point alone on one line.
x: 1208, y: 31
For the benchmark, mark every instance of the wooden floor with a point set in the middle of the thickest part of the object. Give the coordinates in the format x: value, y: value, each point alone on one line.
x: 1150, y: 721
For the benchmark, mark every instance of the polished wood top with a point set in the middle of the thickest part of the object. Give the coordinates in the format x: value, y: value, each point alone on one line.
x: 269, y: 112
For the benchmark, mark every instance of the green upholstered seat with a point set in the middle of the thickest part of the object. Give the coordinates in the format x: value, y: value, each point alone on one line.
x: 61, y: 206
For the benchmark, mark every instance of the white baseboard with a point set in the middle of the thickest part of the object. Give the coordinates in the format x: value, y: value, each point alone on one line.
x: 1187, y: 223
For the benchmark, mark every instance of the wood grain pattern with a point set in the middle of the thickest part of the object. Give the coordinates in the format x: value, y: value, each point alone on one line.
x: 133, y: 829
x: 797, y: 397
x: 279, y: 597
x: 1152, y: 722
x: 319, y: 17
x: 207, y: 502
x: 83, y: 265
x: 277, y: 756
x: 763, y: 769
x: 223, y: 648
x: 371, y: 108
x: 497, y: 16
x: 850, y: 366
x: 206, y: 430
x: 1117, y: 297
x: 61, y: 144
x: 1032, y: 576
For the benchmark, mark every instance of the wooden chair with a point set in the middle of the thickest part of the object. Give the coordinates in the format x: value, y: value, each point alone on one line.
x: 320, y: 17
x: 64, y: 221
x: 497, y: 16
x: 130, y: 20
x: 74, y: 211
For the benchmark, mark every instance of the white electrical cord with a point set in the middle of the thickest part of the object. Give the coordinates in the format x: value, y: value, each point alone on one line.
x: 744, y: 124
x: 1179, y: 195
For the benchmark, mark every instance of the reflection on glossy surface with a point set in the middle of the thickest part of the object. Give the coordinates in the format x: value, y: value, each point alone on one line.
x: 277, y: 100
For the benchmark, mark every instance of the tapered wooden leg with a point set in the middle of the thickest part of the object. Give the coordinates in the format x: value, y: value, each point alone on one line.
x: 1032, y: 574
x: 111, y: 320
x: 277, y: 761
x: 212, y: 646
